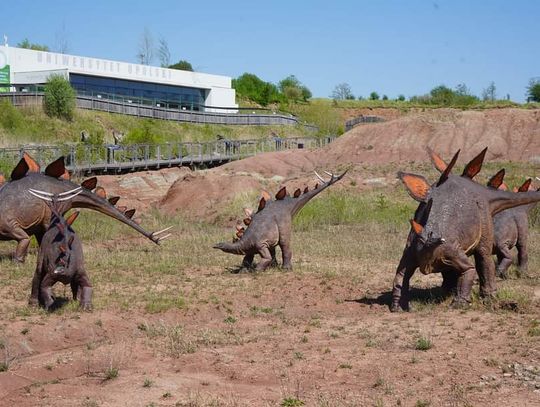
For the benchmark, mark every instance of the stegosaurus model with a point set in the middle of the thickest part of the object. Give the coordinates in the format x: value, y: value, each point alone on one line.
x: 60, y: 257
x: 452, y: 222
x: 24, y: 215
x: 511, y: 229
x: 271, y: 226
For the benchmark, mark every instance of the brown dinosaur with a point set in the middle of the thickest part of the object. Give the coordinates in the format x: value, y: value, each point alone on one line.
x: 271, y: 227
x: 24, y: 215
x: 60, y: 257
x: 452, y: 222
x: 511, y: 229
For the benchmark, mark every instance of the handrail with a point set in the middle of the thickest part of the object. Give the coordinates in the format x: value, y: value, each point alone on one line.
x: 89, y: 158
x: 129, y: 106
x: 363, y: 119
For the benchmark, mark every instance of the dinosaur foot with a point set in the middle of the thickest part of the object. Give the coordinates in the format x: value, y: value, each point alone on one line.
x: 33, y: 302
x: 460, y: 303
x: 396, y: 307
x: 86, y: 306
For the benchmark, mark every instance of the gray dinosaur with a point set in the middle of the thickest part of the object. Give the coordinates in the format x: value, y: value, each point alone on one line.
x: 271, y: 226
x: 60, y: 257
x: 24, y: 215
x: 452, y: 222
x: 511, y: 229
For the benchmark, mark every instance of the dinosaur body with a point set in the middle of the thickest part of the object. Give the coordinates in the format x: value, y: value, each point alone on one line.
x: 24, y: 215
x: 511, y: 229
x: 60, y: 259
x: 271, y: 227
x: 453, y: 222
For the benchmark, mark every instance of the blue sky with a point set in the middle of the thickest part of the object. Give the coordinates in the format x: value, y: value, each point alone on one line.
x: 389, y: 46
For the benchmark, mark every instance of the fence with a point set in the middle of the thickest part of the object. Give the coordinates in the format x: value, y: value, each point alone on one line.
x: 135, y: 107
x: 349, y: 124
x: 85, y: 158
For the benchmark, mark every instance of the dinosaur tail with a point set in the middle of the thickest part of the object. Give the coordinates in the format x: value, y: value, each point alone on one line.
x: 234, y: 248
x: 306, y: 197
x: 501, y: 200
x: 89, y: 200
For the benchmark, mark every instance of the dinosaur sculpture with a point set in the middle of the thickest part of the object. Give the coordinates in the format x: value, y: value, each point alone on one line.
x: 511, y: 229
x: 271, y: 227
x: 60, y: 257
x: 452, y: 222
x: 24, y: 215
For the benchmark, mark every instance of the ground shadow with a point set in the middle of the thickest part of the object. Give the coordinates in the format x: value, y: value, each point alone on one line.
x: 433, y: 295
x: 59, y: 302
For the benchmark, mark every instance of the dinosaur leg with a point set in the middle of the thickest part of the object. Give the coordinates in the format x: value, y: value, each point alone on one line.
x: 273, y: 254
x: 266, y: 258
x: 486, y: 271
x: 504, y: 255
x: 86, y: 291
x: 464, y: 286
x: 450, y: 280
x: 75, y: 290
x: 34, y: 294
x: 400, y: 291
x: 46, y: 291
x: 523, y: 257
x: 466, y: 273
x: 23, y: 240
x: 286, y: 254
x: 247, y: 262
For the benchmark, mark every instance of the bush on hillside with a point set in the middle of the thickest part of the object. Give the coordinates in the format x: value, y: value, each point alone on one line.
x: 10, y: 117
x: 59, y: 98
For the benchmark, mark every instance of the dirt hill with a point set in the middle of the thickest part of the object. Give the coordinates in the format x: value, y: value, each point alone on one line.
x: 510, y: 134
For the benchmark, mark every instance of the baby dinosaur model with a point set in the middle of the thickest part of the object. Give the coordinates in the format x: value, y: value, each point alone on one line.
x: 60, y: 257
x: 452, y: 222
x: 511, y: 229
x: 24, y: 215
x: 271, y: 226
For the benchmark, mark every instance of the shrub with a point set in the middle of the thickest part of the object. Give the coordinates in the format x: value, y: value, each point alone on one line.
x: 59, y: 98
x: 10, y: 117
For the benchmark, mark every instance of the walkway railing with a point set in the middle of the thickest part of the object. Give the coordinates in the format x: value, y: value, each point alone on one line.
x: 364, y: 119
x: 86, y: 158
x: 102, y: 102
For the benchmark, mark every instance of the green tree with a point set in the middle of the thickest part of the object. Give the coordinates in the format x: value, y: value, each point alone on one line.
x: 293, y: 89
x: 182, y: 65
x: 374, y: 96
x: 36, y: 47
x: 250, y: 86
x: 533, y: 90
x: 59, y: 98
x: 401, y: 98
x: 442, y: 95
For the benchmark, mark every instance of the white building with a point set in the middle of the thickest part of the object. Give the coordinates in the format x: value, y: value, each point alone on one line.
x: 21, y: 68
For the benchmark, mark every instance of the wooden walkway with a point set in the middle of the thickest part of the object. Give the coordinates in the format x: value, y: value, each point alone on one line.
x: 100, y: 159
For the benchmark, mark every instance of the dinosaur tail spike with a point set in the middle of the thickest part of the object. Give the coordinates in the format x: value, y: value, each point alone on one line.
x: 247, y: 221
x: 525, y: 186
x: 89, y: 183
x: 306, y: 190
x: 100, y: 191
x: 474, y: 166
x: 262, y: 204
x: 496, y: 181
x: 316, y: 186
x: 114, y: 200
x: 448, y: 169
x: 297, y: 193
x: 129, y: 213
x: 281, y: 194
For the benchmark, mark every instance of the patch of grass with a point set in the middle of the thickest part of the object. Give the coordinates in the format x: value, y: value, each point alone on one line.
x: 155, y: 303
x: 534, y: 329
x: 147, y: 383
x: 111, y: 373
x: 423, y: 343
x: 291, y: 402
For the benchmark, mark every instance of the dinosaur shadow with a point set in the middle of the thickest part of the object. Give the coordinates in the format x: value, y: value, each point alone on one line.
x: 433, y: 295
x: 59, y: 302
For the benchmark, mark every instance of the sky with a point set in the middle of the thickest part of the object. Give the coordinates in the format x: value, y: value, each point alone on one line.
x: 392, y: 47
